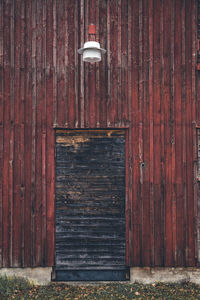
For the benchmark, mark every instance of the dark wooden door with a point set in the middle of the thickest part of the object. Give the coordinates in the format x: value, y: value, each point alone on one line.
x: 90, y: 205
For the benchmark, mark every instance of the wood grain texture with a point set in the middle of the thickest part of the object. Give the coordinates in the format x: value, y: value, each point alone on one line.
x: 197, y: 185
x: 147, y: 82
x: 90, y: 200
x: 28, y: 136
x: 1, y: 131
x: 50, y: 139
x: 6, y: 131
x: 17, y: 132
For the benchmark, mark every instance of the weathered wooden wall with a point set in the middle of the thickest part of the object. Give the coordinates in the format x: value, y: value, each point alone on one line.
x: 90, y: 200
x: 146, y: 83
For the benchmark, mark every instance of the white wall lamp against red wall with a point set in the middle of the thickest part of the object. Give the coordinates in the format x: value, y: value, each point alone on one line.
x: 91, y: 50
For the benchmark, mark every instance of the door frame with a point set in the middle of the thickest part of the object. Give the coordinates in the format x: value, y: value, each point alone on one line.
x: 128, y: 197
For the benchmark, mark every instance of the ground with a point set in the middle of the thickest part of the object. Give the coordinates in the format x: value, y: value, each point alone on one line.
x: 20, y: 289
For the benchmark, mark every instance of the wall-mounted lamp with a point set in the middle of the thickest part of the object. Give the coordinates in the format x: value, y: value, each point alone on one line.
x: 91, y: 50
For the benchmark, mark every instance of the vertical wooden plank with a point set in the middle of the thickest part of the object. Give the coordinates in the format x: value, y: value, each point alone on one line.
x: 55, y: 110
x: 28, y: 136
x: 109, y: 81
x: 97, y: 93
x: 34, y: 114
x: 40, y: 111
x: 156, y: 107
x: 43, y: 242
x: 76, y: 71
x: 124, y: 63
x: 195, y: 93
x: 197, y: 61
x: 71, y: 82
x: 6, y: 132
x: 114, y: 61
x: 22, y: 132
x: 129, y: 178
x: 145, y: 167
x: 38, y: 143
x: 44, y: 133
x: 179, y: 7
x: 16, y: 251
x: 91, y: 71
x: 125, y: 38
x: 197, y: 185
x: 60, y: 59
x: 187, y: 127
x: 189, y: 146
x: 82, y: 73
x: 183, y: 60
x: 66, y: 105
x: 194, y: 114
x: 1, y: 131
x: 86, y: 66
x: 127, y: 198
x: 194, y: 60
x: 197, y: 30
x: 11, y: 157
x: 151, y: 133
x: 134, y: 65
x: 172, y: 137
x: 168, y: 162
x: 141, y: 125
x: 162, y: 132
x: 119, y: 64
x: 103, y: 71
x: 50, y: 142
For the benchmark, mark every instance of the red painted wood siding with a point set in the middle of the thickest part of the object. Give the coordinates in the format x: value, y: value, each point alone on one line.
x: 146, y: 82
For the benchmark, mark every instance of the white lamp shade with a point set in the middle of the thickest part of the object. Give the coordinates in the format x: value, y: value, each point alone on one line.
x: 91, y: 52
x: 92, y: 55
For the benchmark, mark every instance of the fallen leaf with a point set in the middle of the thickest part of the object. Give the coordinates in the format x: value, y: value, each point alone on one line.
x: 137, y: 293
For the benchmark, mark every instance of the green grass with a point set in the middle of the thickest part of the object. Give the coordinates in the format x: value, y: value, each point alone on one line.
x: 13, y: 288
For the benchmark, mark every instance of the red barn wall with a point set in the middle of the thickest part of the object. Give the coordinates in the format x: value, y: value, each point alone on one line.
x: 146, y: 83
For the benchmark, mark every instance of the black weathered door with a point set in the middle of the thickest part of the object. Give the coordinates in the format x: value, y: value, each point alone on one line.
x: 90, y: 205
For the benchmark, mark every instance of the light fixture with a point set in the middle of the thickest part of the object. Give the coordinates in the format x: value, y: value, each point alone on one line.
x: 91, y: 50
